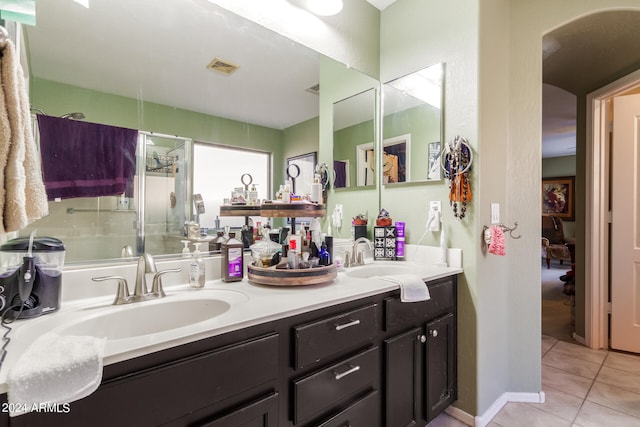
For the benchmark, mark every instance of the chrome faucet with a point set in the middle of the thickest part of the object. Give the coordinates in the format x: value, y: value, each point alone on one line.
x: 140, y: 292
x: 356, y: 257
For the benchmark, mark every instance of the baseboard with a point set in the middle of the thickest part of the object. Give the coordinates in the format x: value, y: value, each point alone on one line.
x: 460, y: 415
x: 579, y: 339
x: 484, y: 419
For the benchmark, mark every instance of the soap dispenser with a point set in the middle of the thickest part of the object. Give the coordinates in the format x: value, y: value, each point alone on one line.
x: 196, y: 269
x: 232, y: 259
x: 185, y: 250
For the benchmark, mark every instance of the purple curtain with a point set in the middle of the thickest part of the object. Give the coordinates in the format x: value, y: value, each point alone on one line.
x: 81, y: 159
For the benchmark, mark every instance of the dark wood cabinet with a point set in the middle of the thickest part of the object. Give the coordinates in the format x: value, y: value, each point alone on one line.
x: 440, y: 365
x: 375, y: 361
x: 261, y: 413
x: 421, y: 362
x: 403, y: 382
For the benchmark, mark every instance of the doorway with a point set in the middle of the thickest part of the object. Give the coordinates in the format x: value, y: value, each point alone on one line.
x: 598, y: 236
x: 579, y: 58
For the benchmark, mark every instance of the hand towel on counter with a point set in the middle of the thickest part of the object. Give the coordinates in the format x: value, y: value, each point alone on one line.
x: 82, y: 159
x: 55, y: 369
x: 412, y: 287
x: 22, y: 197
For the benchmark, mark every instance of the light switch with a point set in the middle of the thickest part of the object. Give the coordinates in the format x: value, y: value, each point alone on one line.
x: 495, y: 213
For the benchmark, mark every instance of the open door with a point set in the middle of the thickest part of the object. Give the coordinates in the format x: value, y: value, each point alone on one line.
x: 625, y: 225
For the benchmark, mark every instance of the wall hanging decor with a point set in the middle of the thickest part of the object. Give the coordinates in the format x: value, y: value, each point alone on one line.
x: 457, y: 158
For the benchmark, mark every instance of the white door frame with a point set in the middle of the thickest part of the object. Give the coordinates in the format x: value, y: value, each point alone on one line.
x: 597, y: 212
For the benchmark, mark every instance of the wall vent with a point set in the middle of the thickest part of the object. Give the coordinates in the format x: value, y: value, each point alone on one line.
x: 222, y: 66
x: 315, y: 89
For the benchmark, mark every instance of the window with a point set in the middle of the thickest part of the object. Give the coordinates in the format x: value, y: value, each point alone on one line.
x: 218, y: 170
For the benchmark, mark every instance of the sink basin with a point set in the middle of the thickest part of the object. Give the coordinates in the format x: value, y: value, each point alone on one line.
x: 391, y: 268
x: 367, y: 272
x: 142, y: 324
x: 143, y: 318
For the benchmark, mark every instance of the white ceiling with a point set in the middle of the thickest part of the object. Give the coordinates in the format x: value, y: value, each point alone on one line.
x: 381, y: 4
x: 580, y: 57
x: 158, y: 52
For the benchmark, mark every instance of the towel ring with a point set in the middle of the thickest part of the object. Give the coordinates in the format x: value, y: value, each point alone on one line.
x: 446, y: 150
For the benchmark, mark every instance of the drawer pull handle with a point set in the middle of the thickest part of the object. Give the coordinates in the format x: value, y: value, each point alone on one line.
x: 348, y: 372
x: 434, y: 333
x: 422, y: 338
x: 347, y: 325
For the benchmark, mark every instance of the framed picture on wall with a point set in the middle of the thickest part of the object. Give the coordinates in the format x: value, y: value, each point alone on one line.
x: 558, y: 197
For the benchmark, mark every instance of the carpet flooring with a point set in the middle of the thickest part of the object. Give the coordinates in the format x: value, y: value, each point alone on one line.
x: 556, y: 306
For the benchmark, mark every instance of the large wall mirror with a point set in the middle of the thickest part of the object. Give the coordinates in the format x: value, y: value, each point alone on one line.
x: 190, y: 69
x: 412, y: 127
x: 353, y: 141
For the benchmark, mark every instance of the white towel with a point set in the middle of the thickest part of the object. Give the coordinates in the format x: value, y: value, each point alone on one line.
x: 55, y: 369
x: 412, y: 287
x: 24, y: 199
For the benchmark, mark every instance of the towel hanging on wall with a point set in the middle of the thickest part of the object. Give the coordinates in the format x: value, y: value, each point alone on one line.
x: 82, y: 159
x: 22, y: 194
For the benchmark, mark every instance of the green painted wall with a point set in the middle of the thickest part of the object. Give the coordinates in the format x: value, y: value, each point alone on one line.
x: 422, y: 123
x: 347, y: 139
x: 56, y: 99
x: 559, y: 166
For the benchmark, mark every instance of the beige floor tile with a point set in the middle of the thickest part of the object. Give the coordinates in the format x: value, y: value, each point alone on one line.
x: 615, y: 398
x: 558, y: 402
x: 444, y: 420
x: 618, y: 378
x: 521, y: 414
x: 572, y: 384
x: 547, y: 343
x: 561, y: 361
x: 580, y: 352
x: 623, y: 362
x: 594, y: 415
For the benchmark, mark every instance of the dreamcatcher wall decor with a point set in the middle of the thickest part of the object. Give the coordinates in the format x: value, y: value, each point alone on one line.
x: 457, y: 158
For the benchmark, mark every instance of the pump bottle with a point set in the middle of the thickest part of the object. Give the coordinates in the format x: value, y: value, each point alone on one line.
x: 196, y: 269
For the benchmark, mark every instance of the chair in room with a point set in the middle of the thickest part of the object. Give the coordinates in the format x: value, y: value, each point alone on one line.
x: 554, y: 243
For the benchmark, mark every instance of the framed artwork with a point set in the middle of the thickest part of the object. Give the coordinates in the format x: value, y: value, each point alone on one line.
x: 558, y: 197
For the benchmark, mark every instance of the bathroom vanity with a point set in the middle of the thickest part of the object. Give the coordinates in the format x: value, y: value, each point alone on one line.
x: 347, y: 353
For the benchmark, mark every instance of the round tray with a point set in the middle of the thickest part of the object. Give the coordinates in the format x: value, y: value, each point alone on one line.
x: 298, y: 277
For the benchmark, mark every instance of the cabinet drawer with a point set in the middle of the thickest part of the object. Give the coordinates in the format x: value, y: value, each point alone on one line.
x: 178, y: 388
x: 330, y: 336
x: 260, y: 413
x: 321, y: 391
x: 400, y: 314
x: 363, y: 413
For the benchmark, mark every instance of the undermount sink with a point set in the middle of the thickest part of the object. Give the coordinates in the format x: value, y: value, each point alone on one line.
x: 143, y: 318
x: 391, y: 268
x: 136, y: 325
x: 366, y: 272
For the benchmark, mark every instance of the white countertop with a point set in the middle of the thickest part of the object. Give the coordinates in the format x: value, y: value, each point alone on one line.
x: 251, y: 304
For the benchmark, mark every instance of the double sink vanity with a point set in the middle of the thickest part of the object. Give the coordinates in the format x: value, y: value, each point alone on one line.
x: 344, y: 353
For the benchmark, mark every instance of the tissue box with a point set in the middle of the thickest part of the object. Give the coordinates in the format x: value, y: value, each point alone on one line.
x: 384, y: 242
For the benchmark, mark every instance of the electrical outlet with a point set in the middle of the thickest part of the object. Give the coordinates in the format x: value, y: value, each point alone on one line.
x: 435, y: 211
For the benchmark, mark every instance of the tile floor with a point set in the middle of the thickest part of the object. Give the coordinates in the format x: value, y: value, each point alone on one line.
x: 583, y: 388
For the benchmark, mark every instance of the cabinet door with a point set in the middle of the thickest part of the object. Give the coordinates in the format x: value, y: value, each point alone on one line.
x: 440, y: 365
x: 261, y: 413
x: 402, y: 380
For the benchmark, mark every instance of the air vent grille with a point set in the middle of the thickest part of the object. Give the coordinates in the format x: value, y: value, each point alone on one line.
x: 315, y: 89
x: 222, y: 66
